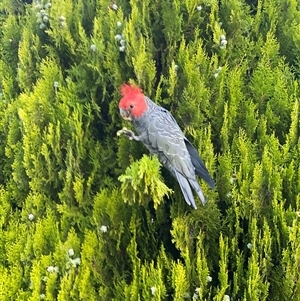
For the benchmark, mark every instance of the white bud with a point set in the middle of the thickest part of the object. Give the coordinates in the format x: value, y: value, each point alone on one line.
x: 50, y: 269
x: 226, y: 298
x: 47, y: 5
x: 42, y: 26
x: 93, y: 47
x: 176, y: 67
x: 31, y: 217
x: 224, y: 42
x: 199, y: 7
x: 123, y: 42
x: 77, y: 261
x: 114, y: 6
x: 71, y: 252
x: 62, y: 18
x: 119, y: 23
x: 103, y: 229
x: 56, y: 269
x: 222, y: 37
x: 209, y: 278
x: 45, y: 19
x: 153, y: 290
x: 118, y: 37
x: 55, y: 84
x: 122, y: 48
x: 249, y: 246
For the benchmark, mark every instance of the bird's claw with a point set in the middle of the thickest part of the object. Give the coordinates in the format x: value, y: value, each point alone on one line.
x: 128, y: 133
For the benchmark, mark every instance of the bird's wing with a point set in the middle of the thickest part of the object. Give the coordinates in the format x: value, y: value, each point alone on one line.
x: 166, y: 136
x: 199, y: 165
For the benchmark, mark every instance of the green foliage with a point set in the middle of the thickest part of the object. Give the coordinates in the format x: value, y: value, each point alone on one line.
x: 86, y: 215
x: 142, y: 180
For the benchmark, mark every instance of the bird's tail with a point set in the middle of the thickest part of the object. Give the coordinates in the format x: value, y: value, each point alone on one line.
x: 198, y: 190
x: 186, y: 189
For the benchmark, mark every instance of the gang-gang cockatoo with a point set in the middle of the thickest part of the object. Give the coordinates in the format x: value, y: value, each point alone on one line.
x: 159, y: 132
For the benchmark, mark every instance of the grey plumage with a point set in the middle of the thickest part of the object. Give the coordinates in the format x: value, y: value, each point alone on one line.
x: 160, y: 133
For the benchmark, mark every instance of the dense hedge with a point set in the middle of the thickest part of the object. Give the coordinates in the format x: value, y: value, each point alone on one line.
x: 84, y: 214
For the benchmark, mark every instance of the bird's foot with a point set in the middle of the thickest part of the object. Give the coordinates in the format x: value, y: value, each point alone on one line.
x: 128, y: 133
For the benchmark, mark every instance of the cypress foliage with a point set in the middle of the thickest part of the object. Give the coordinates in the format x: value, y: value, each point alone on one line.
x: 85, y: 214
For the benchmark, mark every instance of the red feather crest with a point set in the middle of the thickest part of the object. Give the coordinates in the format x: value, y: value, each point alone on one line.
x: 133, y: 95
x: 129, y: 91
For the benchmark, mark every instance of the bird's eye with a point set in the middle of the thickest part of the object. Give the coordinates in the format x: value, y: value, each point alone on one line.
x: 131, y: 106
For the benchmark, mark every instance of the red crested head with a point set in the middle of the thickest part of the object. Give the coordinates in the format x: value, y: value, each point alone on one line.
x: 133, y: 103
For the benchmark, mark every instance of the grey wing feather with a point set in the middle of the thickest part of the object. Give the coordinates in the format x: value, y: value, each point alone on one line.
x: 166, y: 137
x: 199, y: 165
x: 186, y: 189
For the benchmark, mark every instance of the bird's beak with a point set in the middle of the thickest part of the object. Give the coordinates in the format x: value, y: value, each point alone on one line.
x: 125, y: 114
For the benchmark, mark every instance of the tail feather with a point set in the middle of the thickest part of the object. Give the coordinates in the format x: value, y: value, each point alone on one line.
x: 186, y: 189
x: 199, y: 165
x: 198, y: 190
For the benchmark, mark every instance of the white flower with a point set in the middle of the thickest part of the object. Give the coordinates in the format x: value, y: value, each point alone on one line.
x: 42, y: 296
x: 50, y: 269
x: 119, y: 23
x: 77, y: 261
x: 197, y: 290
x: 103, y: 229
x: 93, y: 47
x: 216, y: 75
x: 42, y: 26
x: 122, y: 48
x: 219, y: 69
x: 47, y: 5
x: 62, y: 18
x: 222, y: 37
x: 195, y: 296
x: 209, y: 278
x: 30, y: 216
x: 71, y: 252
x: 199, y: 7
x: 249, y: 246
x: 176, y: 67
x: 55, y: 84
x: 45, y: 19
x: 118, y: 37
x: 123, y: 42
x: 42, y: 12
x: 226, y: 298
x: 153, y: 290
x: 114, y: 6
x: 223, y: 42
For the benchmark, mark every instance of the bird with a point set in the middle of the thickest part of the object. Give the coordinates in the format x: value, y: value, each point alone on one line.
x: 158, y: 130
